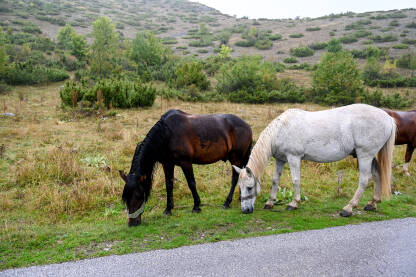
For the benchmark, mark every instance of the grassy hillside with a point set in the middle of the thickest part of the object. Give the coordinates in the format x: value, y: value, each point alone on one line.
x: 177, y: 20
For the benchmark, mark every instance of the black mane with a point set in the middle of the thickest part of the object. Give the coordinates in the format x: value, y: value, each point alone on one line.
x: 146, y: 155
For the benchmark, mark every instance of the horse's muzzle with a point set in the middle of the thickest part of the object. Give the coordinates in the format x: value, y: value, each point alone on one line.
x: 247, y: 210
x: 135, y: 221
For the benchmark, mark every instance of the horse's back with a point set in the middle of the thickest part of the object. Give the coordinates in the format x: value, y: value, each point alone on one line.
x: 330, y: 135
x: 206, y: 138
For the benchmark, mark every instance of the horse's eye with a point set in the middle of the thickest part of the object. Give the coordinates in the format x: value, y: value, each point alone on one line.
x: 249, y: 189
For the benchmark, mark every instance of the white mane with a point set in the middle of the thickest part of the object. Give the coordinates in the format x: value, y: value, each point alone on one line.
x: 262, y: 150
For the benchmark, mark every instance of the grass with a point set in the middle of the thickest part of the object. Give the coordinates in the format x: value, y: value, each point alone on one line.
x: 60, y: 190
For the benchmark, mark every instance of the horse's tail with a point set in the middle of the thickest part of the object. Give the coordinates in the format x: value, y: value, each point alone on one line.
x: 385, y: 159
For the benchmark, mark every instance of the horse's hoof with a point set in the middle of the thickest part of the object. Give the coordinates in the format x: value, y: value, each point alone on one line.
x: 268, y: 207
x: 344, y: 213
x: 196, y: 210
x: 290, y: 208
x: 167, y: 212
x: 370, y: 208
x: 226, y: 206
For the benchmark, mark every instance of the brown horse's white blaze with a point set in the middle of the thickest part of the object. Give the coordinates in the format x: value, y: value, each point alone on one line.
x: 323, y: 136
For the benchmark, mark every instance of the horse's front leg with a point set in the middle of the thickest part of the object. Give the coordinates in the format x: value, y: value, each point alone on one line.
x: 409, y: 152
x: 365, y: 175
x: 169, y: 173
x: 275, y: 183
x: 189, y: 174
x: 294, y: 164
x: 229, y: 198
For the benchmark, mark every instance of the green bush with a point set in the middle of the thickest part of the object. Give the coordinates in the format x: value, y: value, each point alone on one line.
x: 337, y: 79
x: 263, y: 44
x: 113, y: 93
x: 299, y: 35
x: 318, y: 45
x: 302, y: 51
x: 28, y: 74
x: 394, y: 23
x: 385, y: 38
x: 334, y: 45
x: 401, y: 46
x: 275, y: 37
x: 347, y: 39
x: 361, y: 33
x: 290, y: 60
x: 245, y: 43
x: 409, y: 41
x: 407, y: 60
x: 378, y: 99
x: 189, y: 74
x: 312, y: 29
x: 358, y: 24
x: 411, y: 25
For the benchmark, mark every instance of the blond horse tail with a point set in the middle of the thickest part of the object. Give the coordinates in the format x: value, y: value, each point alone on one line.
x: 385, y: 159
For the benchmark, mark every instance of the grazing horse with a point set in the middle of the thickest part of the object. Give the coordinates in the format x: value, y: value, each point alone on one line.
x: 184, y: 139
x: 406, y: 133
x: 323, y: 136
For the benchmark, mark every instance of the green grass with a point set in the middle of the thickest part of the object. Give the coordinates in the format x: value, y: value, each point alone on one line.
x: 58, y: 204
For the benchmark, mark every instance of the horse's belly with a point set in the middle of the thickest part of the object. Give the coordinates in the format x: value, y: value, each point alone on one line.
x: 330, y: 153
x: 210, y: 153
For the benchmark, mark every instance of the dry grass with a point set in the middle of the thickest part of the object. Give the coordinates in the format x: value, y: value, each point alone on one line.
x: 43, y: 170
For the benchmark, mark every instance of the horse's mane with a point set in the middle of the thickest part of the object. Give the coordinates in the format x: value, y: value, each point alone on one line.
x: 262, y: 150
x: 145, y: 158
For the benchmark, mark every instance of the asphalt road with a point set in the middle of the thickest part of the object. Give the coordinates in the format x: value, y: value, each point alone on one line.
x: 386, y: 248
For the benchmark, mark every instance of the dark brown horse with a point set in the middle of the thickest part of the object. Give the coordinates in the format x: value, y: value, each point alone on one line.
x: 183, y: 139
x: 406, y: 133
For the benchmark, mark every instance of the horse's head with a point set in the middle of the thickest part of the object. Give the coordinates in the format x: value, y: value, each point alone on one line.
x: 249, y: 187
x: 134, y: 195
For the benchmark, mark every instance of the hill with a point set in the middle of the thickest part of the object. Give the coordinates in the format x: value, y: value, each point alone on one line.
x: 179, y: 23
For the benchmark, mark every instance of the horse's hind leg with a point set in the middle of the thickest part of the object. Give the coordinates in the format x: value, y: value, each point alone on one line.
x: 409, y: 152
x: 275, y: 183
x: 365, y: 175
x: 372, y: 205
x: 294, y: 164
x: 189, y: 175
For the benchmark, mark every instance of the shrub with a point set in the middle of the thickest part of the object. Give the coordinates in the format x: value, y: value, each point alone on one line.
x: 334, y: 45
x: 347, y: 39
x: 409, y: 41
x: 411, y: 25
x: 358, y: 25
x: 337, y: 79
x: 407, y: 60
x: 401, y: 46
x: 312, y: 29
x: 378, y: 99
x: 290, y: 60
x: 301, y: 52
x: 189, y: 74
x: 245, y: 43
x: 396, y: 15
x: 263, y: 44
x: 394, y: 23
x: 28, y: 74
x: 361, y: 33
x: 275, y: 37
x: 318, y: 45
x: 299, y: 35
x: 114, y: 93
x: 385, y: 38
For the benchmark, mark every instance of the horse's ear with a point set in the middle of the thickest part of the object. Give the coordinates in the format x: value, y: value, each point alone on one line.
x: 249, y: 172
x: 123, y: 175
x: 237, y: 169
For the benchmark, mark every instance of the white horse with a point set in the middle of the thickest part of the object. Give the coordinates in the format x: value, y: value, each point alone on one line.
x: 323, y: 136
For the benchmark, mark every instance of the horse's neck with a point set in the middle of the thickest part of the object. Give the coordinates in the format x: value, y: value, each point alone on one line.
x: 262, y: 151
